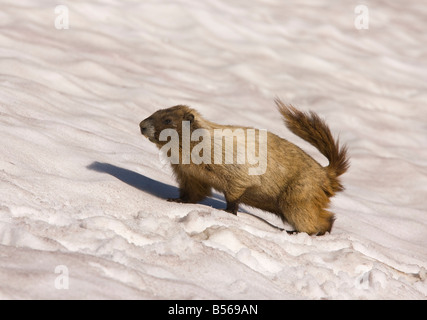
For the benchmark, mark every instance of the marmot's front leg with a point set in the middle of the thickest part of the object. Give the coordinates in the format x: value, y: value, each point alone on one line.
x: 191, y: 190
x: 232, y: 207
x: 232, y: 196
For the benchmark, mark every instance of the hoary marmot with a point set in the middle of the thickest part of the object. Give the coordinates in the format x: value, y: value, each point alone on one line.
x: 292, y: 185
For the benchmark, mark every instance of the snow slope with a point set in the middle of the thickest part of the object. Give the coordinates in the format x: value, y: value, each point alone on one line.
x: 81, y: 188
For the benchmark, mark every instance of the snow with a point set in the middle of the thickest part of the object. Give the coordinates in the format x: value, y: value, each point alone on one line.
x: 81, y: 188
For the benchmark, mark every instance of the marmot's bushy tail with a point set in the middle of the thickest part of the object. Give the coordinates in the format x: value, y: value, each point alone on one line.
x: 311, y: 128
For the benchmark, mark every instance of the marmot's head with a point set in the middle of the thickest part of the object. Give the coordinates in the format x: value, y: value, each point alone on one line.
x: 170, y: 118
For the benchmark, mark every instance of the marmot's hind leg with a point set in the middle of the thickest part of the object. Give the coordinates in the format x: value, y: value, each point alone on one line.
x: 306, y: 214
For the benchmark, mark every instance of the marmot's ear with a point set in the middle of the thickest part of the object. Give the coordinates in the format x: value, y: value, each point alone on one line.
x: 188, y: 116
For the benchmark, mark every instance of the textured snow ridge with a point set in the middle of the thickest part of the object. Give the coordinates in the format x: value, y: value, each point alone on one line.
x: 83, y: 210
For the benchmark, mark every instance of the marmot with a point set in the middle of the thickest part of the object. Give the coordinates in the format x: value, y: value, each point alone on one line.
x: 294, y: 186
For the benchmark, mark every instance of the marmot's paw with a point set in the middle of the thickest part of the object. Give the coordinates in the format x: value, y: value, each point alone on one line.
x: 291, y: 232
x: 179, y: 200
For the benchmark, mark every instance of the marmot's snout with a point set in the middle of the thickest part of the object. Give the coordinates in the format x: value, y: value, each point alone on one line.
x: 143, y: 127
x: 147, y: 128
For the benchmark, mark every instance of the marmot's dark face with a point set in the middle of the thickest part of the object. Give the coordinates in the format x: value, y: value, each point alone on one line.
x: 170, y: 118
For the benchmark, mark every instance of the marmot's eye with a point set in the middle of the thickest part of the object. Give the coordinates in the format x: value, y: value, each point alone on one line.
x: 167, y: 121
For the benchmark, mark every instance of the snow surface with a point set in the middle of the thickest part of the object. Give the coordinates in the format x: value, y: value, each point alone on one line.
x: 81, y: 188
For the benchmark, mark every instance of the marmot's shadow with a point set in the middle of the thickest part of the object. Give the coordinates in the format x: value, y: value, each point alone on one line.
x: 151, y: 186
x: 158, y: 189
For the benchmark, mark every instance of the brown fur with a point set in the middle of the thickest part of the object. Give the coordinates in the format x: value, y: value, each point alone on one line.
x: 294, y: 186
